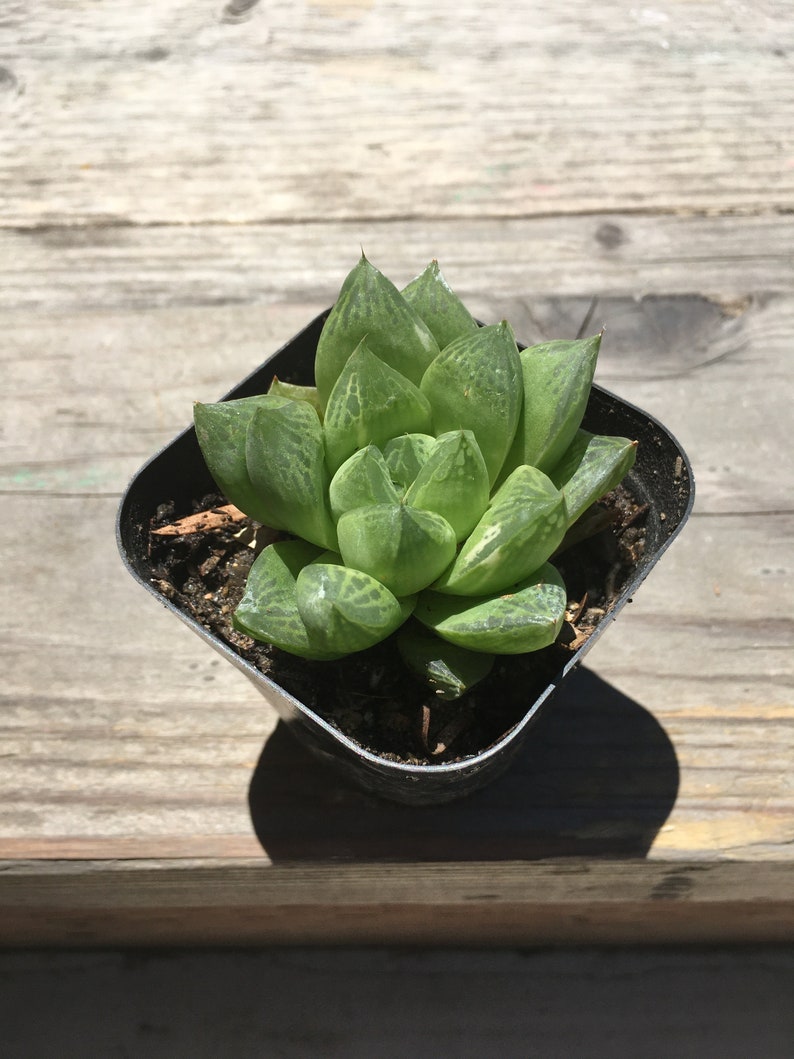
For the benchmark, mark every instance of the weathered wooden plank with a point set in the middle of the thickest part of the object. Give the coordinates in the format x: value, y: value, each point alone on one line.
x: 349, y: 111
x: 396, y: 904
x: 99, y: 267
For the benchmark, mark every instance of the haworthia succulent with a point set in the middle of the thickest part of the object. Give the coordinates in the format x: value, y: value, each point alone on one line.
x: 520, y: 530
x: 403, y: 547
x: 346, y: 610
x: 441, y: 309
x: 221, y: 431
x: 557, y: 377
x: 285, y: 457
x: 526, y: 618
x: 453, y: 482
x: 448, y: 669
x: 592, y: 466
x: 405, y: 455
x: 363, y: 479
x: 296, y: 392
x: 369, y: 404
x: 453, y: 473
x: 475, y: 384
x: 269, y: 607
x: 370, y: 306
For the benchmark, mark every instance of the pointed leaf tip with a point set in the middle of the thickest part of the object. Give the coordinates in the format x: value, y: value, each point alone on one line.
x: 369, y: 305
x: 475, y: 383
x: 369, y: 404
x: 449, y: 670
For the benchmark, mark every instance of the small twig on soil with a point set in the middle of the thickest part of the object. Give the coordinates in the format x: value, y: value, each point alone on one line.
x: 637, y: 513
x: 611, y: 579
x: 580, y: 639
x: 448, y: 734
x: 424, y: 727
x: 201, y: 522
x: 575, y: 609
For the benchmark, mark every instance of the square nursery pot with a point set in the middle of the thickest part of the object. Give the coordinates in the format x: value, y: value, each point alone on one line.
x: 661, y: 479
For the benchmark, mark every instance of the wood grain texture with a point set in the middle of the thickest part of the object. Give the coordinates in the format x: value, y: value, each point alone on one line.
x: 585, y: 903
x: 182, y: 190
x: 236, y: 267
x: 331, y: 111
x: 66, y: 434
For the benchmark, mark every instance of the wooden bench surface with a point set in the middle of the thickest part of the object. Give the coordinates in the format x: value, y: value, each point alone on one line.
x: 183, y: 188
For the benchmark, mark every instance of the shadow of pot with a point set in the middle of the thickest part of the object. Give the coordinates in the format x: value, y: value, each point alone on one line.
x: 661, y: 479
x: 598, y: 778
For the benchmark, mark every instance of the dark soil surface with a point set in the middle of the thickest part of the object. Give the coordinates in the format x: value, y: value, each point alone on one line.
x: 370, y: 696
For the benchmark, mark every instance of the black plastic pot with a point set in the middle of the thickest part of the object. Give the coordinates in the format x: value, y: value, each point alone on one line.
x: 661, y: 478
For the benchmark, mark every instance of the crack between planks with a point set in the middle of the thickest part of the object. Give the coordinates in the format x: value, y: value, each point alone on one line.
x: 111, y: 222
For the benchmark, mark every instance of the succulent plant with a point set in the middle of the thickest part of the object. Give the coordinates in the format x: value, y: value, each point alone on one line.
x: 423, y: 484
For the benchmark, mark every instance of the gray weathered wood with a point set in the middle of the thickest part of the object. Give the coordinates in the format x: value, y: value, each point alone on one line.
x: 225, y: 270
x: 336, y: 111
x: 183, y: 190
x: 459, y: 904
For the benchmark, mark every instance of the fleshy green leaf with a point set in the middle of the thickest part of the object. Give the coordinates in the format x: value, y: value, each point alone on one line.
x: 405, y: 455
x: 285, y: 457
x: 295, y: 392
x: 370, y: 306
x: 572, y: 458
x: 557, y: 377
x: 475, y: 384
x: 347, y: 610
x: 591, y: 467
x: 268, y: 610
x: 526, y: 618
x: 362, y: 479
x: 449, y: 670
x: 369, y: 404
x: 221, y: 431
x: 453, y: 482
x: 520, y: 530
x: 438, y: 305
x: 402, y: 547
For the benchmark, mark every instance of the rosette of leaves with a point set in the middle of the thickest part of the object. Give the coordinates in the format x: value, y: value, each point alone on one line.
x: 423, y: 484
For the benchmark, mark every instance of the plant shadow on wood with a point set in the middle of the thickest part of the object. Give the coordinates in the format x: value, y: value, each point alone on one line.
x: 598, y: 776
